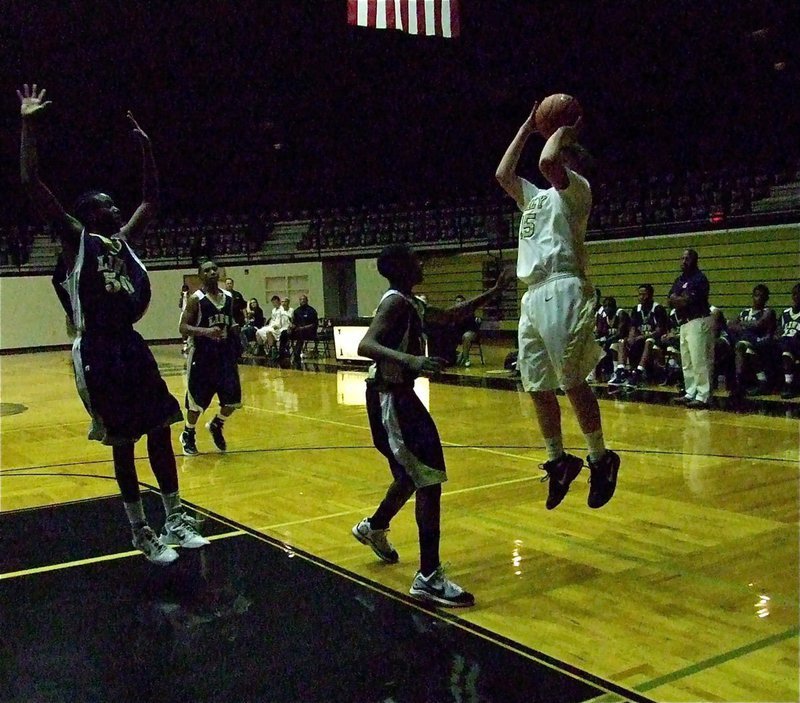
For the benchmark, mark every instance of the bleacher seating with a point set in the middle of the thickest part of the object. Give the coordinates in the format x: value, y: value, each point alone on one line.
x: 623, y: 207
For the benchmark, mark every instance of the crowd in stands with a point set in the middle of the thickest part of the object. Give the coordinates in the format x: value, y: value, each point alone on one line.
x: 689, y: 197
x: 692, y: 197
x: 755, y: 351
x: 428, y: 222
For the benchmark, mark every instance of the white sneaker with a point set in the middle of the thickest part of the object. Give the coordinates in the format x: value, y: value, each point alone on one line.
x: 148, y: 543
x: 439, y: 589
x: 180, y: 530
x: 377, y: 540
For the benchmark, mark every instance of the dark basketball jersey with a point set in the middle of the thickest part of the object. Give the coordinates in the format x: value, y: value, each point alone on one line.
x: 108, y: 287
x: 407, y: 337
x: 648, y: 322
x: 673, y: 321
x: 752, y: 316
x: 117, y: 377
x: 608, y: 326
x: 211, y: 315
x: 790, y: 323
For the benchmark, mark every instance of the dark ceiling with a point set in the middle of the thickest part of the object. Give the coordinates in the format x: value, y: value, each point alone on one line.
x: 364, y: 116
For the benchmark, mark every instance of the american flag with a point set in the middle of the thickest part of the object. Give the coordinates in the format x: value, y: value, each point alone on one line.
x: 427, y: 17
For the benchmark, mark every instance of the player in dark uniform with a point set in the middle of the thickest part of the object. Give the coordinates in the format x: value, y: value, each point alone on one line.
x: 105, y: 289
x: 649, y: 322
x: 669, y: 349
x: 402, y: 429
x: 789, y: 343
x: 753, y: 336
x: 611, y: 327
x: 211, y: 321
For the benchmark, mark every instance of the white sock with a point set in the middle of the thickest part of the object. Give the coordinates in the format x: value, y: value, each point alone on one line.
x: 554, y: 447
x: 596, y: 443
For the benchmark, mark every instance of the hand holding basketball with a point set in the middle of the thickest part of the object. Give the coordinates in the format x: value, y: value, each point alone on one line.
x: 558, y: 110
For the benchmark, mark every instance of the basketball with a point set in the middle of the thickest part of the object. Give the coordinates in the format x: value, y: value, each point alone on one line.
x: 556, y: 111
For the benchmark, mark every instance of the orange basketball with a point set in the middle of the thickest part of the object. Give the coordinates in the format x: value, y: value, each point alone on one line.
x: 556, y: 111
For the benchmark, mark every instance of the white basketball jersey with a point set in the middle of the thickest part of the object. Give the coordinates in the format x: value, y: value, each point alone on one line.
x: 552, y: 230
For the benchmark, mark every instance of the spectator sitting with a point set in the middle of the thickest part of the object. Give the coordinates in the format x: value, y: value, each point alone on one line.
x: 466, y: 333
x: 253, y: 320
x: 789, y: 342
x: 753, y: 335
x: 670, y: 351
x: 287, y: 308
x: 611, y: 327
x: 304, y: 327
x: 274, y: 335
x: 723, y: 348
x: 649, y: 322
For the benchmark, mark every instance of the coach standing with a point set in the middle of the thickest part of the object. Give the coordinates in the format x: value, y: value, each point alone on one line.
x: 689, y: 297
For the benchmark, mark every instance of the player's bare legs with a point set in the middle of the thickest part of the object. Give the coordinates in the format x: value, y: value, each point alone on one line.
x: 603, y: 463
x: 561, y: 468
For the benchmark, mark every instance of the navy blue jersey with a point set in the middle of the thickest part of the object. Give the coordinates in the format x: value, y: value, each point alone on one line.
x: 751, y: 316
x: 649, y: 322
x: 673, y: 321
x: 117, y: 377
x: 406, y: 336
x: 213, y: 314
x: 609, y: 327
x: 790, y: 323
x: 108, y: 287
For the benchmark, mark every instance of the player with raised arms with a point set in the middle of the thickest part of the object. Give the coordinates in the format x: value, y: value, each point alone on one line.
x: 556, y: 327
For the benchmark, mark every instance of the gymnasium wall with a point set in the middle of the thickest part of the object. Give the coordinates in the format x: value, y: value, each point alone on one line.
x: 31, y: 316
x: 734, y: 260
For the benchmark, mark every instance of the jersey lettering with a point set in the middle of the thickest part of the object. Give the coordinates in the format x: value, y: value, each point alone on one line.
x: 527, y: 226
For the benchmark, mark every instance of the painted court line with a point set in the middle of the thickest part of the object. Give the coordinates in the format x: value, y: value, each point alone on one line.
x: 96, y: 560
x: 705, y: 664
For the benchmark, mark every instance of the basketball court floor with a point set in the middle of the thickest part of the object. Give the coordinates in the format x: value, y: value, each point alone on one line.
x: 683, y: 588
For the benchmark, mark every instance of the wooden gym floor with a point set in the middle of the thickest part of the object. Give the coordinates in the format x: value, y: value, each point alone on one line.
x: 683, y: 588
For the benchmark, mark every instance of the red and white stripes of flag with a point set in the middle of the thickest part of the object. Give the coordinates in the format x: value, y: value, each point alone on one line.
x: 426, y: 17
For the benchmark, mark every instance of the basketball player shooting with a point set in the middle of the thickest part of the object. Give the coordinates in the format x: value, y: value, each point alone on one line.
x: 556, y: 327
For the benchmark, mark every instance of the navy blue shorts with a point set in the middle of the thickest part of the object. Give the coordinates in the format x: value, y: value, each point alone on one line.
x: 209, y: 375
x: 404, y: 432
x: 120, y: 384
x: 790, y: 346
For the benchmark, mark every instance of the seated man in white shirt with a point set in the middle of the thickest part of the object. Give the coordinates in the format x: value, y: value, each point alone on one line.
x: 288, y: 308
x: 279, y: 323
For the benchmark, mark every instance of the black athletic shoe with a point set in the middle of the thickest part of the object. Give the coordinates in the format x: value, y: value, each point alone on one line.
x: 560, y: 473
x: 603, y: 481
x: 619, y: 377
x: 215, y: 428
x: 188, y: 442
